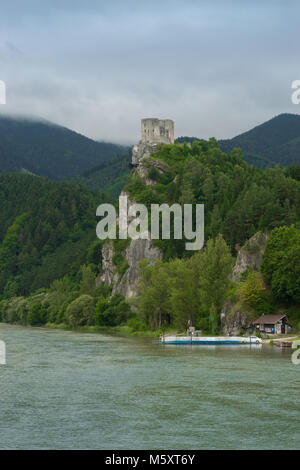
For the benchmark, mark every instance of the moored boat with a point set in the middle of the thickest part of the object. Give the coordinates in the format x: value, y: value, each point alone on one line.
x: 209, y: 340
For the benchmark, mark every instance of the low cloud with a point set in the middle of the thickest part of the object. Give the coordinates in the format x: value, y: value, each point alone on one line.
x: 99, y: 68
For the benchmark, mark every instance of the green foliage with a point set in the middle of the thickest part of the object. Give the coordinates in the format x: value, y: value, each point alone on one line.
x: 49, y: 150
x: 171, y: 293
x: 239, y: 200
x: 153, y: 174
x: 88, y: 281
x: 112, y: 311
x: 94, y: 255
x: 254, y: 293
x: 281, y: 263
x: 119, y: 258
x: 10, y: 246
x: 216, y: 264
x: 214, y: 319
x: 36, y: 315
x: 50, y: 257
x: 154, y: 294
x: 136, y: 324
x: 273, y: 142
x: 81, y: 311
x: 184, y: 291
x: 109, y: 176
x: 293, y: 172
x: 14, y: 310
x: 47, y: 230
x: 293, y: 314
x: 11, y: 289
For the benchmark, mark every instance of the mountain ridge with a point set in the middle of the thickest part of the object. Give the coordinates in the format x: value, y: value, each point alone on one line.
x: 274, y: 142
x: 48, y: 149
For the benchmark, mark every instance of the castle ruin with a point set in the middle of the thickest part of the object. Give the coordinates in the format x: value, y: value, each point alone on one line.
x: 153, y: 132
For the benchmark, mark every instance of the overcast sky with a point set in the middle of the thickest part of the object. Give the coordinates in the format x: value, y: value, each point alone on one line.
x: 98, y: 67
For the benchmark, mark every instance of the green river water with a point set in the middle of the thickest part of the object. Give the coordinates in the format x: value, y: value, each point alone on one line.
x: 68, y: 390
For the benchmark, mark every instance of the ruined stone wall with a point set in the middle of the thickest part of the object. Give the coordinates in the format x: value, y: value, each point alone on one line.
x: 157, y: 131
x: 153, y: 132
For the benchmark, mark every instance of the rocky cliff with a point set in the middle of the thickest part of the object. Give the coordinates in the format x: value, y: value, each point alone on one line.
x: 234, y: 315
x: 126, y: 281
x: 234, y: 319
x: 250, y: 255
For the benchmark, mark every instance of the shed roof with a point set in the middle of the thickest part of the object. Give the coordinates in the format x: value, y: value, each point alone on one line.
x: 269, y: 319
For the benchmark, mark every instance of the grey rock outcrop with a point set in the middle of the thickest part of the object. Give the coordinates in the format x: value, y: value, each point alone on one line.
x: 143, y: 170
x: 142, y: 150
x: 250, y: 255
x: 232, y: 322
x: 137, y: 250
x: 109, y: 273
x: 233, y: 316
x: 153, y: 133
x: 127, y: 283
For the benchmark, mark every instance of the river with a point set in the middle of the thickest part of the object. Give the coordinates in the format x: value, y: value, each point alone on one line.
x: 69, y: 390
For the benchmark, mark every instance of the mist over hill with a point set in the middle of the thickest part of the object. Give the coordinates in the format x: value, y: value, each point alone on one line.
x: 49, y: 150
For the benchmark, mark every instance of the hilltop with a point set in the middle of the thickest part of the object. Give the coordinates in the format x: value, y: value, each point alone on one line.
x: 49, y: 150
x: 275, y: 142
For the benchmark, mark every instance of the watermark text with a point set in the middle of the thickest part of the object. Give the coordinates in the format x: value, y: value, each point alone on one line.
x: 2, y: 92
x: 134, y: 222
x: 296, y: 354
x: 2, y: 353
x: 296, y: 94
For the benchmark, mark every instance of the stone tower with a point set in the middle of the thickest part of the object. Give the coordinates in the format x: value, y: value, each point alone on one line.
x: 157, y: 131
x: 153, y: 132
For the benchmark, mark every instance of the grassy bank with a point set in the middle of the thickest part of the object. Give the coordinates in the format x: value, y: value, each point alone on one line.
x: 116, y: 330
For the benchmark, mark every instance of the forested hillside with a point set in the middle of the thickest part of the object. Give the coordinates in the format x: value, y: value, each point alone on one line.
x: 50, y: 257
x: 46, y: 231
x: 49, y: 150
x: 239, y: 199
x: 275, y: 142
x: 109, y: 177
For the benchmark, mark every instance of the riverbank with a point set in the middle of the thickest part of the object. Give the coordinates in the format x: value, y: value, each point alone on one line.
x: 281, y: 339
x: 123, y: 330
x: 127, y: 331
x: 115, y: 330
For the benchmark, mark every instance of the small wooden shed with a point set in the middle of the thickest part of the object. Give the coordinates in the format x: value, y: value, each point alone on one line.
x: 275, y: 324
